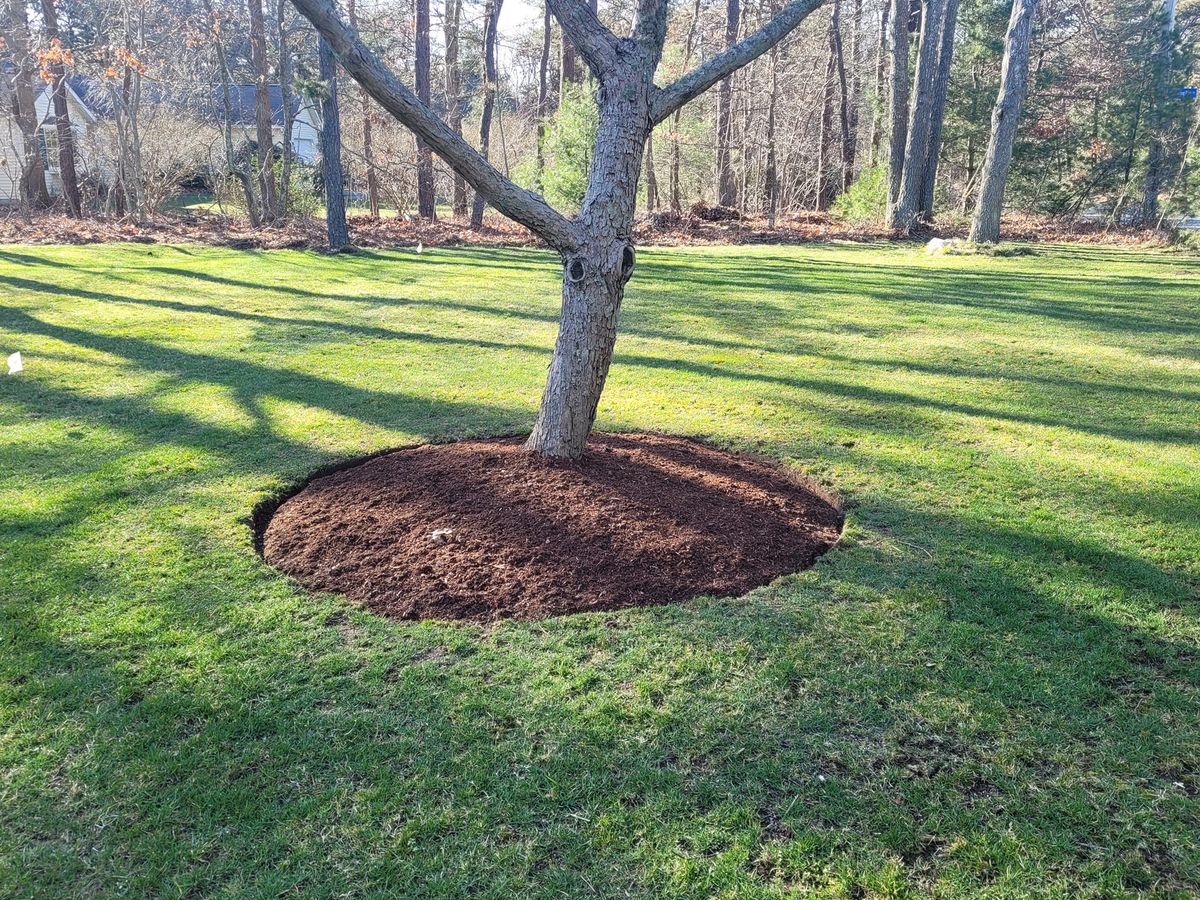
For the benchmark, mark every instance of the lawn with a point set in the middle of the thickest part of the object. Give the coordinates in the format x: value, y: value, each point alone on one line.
x: 991, y: 688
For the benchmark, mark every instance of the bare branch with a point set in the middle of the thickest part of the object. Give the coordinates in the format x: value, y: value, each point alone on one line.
x: 700, y: 79
x: 591, y: 38
x: 378, y: 80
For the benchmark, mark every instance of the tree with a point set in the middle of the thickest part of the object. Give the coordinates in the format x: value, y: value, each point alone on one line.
x: 907, y: 208
x: 543, y: 97
x: 1159, y: 86
x: 454, y: 111
x: 331, y: 148
x: 726, y: 189
x: 898, y: 103
x: 234, y: 162
x: 16, y: 36
x: 262, y: 111
x: 425, y: 195
x: 491, y: 20
x: 367, y: 136
x: 596, y: 247
x: 985, y: 227
x: 55, y: 59
x: 937, y: 114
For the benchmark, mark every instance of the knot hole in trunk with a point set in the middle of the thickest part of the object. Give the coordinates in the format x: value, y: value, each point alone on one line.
x: 576, y: 270
x: 628, y: 258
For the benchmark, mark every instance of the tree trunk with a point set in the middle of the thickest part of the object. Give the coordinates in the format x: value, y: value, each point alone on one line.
x: 938, y: 113
x: 543, y: 108
x: 67, y: 173
x: 770, y: 173
x: 426, y: 202
x: 877, y: 92
x: 1160, y: 84
x: 33, y: 174
x: 289, y: 119
x: 726, y: 188
x: 898, y: 103
x: 368, y: 137
x: 491, y: 19
x: 331, y: 149
x: 826, y: 189
x: 844, y: 99
x: 676, y: 162
x: 651, y: 178
x: 262, y: 111
x: 595, y: 275
x: 1014, y: 73
x: 454, y: 113
x: 908, y: 200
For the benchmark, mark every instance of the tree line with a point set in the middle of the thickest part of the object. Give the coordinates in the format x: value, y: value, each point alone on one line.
x: 897, y: 111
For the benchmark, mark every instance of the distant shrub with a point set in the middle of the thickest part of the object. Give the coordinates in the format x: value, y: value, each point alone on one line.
x: 866, y: 201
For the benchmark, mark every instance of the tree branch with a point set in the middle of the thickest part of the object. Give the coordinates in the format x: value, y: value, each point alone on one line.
x: 378, y: 80
x: 700, y: 79
x: 591, y: 38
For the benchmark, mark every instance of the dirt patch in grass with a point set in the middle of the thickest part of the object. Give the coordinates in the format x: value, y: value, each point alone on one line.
x: 481, y: 530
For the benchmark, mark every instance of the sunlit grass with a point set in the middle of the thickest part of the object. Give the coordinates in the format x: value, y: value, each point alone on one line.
x: 991, y: 688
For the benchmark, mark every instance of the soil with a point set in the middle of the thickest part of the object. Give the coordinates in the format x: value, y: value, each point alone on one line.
x: 481, y: 530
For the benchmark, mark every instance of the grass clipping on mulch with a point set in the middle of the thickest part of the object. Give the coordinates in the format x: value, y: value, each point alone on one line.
x: 481, y: 530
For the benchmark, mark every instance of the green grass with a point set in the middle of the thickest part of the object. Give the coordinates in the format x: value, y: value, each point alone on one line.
x: 992, y: 688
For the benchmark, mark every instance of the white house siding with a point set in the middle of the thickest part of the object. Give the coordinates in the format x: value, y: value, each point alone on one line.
x: 13, y: 149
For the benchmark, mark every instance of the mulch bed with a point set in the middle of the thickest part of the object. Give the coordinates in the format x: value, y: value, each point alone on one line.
x: 481, y: 530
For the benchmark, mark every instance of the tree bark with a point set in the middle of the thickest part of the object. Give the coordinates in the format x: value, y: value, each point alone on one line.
x: 331, y: 149
x: 289, y: 119
x: 826, y: 189
x: 491, y: 21
x: 1160, y: 84
x: 68, y: 174
x: 368, y: 136
x: 262, y: 111
x: 426, y: 202
x: 938, y: 113
x: 676, y: 161
x: 543, y: 101
x: 726, y: 189
x: 844, y: 100
x: 651, y: 177
x: 877, y: 92
x: 898, y: 102
x: 454, y: 113
x: 596, y: 248
x: 1014, y: 74
x: 770, y: 170
x: 908, y: 199
x: 34, y: 193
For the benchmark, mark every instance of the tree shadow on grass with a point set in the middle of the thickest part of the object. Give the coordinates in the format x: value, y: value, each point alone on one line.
x: 1004, y: 722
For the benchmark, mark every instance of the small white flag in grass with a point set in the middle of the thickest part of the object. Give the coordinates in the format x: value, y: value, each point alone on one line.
x: 420, y: 247
x: 14, y: 363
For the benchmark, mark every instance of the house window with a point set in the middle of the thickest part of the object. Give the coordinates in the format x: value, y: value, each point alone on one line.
x: 48, y: 147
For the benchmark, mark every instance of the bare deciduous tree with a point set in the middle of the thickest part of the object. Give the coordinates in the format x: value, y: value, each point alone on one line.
x: 597, y: 245
x: 1006, y: 114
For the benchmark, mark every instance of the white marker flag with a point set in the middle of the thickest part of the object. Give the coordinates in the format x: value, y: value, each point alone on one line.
x: 14, y: 363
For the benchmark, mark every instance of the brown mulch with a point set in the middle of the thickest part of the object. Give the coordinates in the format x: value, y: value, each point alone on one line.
x: 699, y: 225
x: 481, y: 530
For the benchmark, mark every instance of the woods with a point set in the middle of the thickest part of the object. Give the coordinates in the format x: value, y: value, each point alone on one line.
x: 906, y: 85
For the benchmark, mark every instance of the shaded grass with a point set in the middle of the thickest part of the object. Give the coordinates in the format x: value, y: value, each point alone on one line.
x: 991, y: 688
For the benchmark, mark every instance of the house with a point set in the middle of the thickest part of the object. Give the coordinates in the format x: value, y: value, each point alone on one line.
x: 12, y: 144
x: 306, y: 124
x: 90, y: 110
